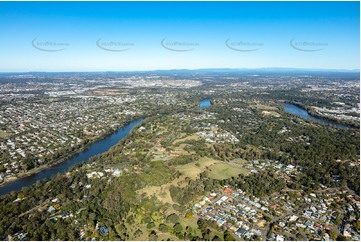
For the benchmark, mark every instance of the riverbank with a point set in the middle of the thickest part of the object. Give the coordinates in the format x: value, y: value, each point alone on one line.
x: 314, y: 113
x: 97, y: 146
x: 303, y: 112
x: 62, y: 159
x: 45, y: 166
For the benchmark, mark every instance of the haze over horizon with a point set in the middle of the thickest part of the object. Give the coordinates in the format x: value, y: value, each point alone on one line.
x: 148, y: 36
x: 272, y: 69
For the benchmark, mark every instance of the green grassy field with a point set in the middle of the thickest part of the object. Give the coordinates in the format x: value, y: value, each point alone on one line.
x: 239, y: 161
x: 222, y: 171
x: 3, y: 134
x: 264, y: 107
x: 191, y: 222
x: 190, y: 137
x: 192, y: 170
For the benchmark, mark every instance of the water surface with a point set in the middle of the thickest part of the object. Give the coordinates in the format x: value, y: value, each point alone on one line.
x: 205, y: 103
x: 97, y: 148
x: 297, y: 110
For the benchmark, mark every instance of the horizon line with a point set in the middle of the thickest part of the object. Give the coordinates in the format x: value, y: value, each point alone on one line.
x: 197, y: 69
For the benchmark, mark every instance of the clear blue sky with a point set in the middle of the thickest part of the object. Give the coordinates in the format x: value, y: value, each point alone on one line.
x: 267, y: 28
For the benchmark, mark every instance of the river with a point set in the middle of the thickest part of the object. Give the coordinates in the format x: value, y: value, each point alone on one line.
x: 297, y: 110
x: 97, y: 148
x: 205, y: 103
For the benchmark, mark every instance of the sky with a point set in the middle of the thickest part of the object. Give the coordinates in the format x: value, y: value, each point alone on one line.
x: 129, y: 36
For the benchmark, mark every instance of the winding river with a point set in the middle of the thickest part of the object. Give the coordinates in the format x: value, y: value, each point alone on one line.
x: 297, y: 110
x: 97, y: 148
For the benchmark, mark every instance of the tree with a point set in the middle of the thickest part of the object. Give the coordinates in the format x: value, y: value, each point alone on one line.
x: 189, y: 215
x: 21, y: 196
x: 268, y: 219
x: 338, y: 219
x: 163, y: 228
x: 178, y: 228
x: 333, y: 234
x: 153, y: 235
x: 173, y: 218
x: 201, y: 224
x: 227, y: 236
x: 356, y: 225
x: 150, y: 225
x: 217, y: 238
x: 207, y: 234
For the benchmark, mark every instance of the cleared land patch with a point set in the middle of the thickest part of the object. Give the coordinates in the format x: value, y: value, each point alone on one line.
x: 190, y: 137
x: 192, y: 170
x: 264, y: 107
x: 3, y: 134
x: 162, y: 192
x: 222, y: 171
x: 271, y: 113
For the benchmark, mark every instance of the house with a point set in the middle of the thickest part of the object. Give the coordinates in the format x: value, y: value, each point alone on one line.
x: 308, y: 213
x: 228, y: 191
x: 273, y: 207
x: 20, y: 235
x: 313, y: 195
x: 202, y: 203
x: 66, y: 215
x: 300, y: 225
x: 257, y: 205
x: 212, y: 195
x: 309, y: 224
x: 280, y: 237
x: 290, y: 167
x: 282, y: 224
x: 272, y: 236
x: 116, y: 172
x: 248, y: 235
x: 222, y: 199
x: 50, y: 209
x: 347, y: 234
x: 261, y: 223
x: 104, y: 230
x: 220, y: 222
x: 240, y: 232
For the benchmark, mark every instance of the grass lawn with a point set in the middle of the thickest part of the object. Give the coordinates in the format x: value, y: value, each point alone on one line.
x: 191, y: 222
x: 222, y: 171
x: 162, y: 192
x: 265, y: 107
x: 3, y: 134
x: 144, y: 235
x: 271, y: 113
x: 180, y: 150
x: 192, y: 170
x: 239, y: 161
x: 190, y: 137
x: 165, y: 236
